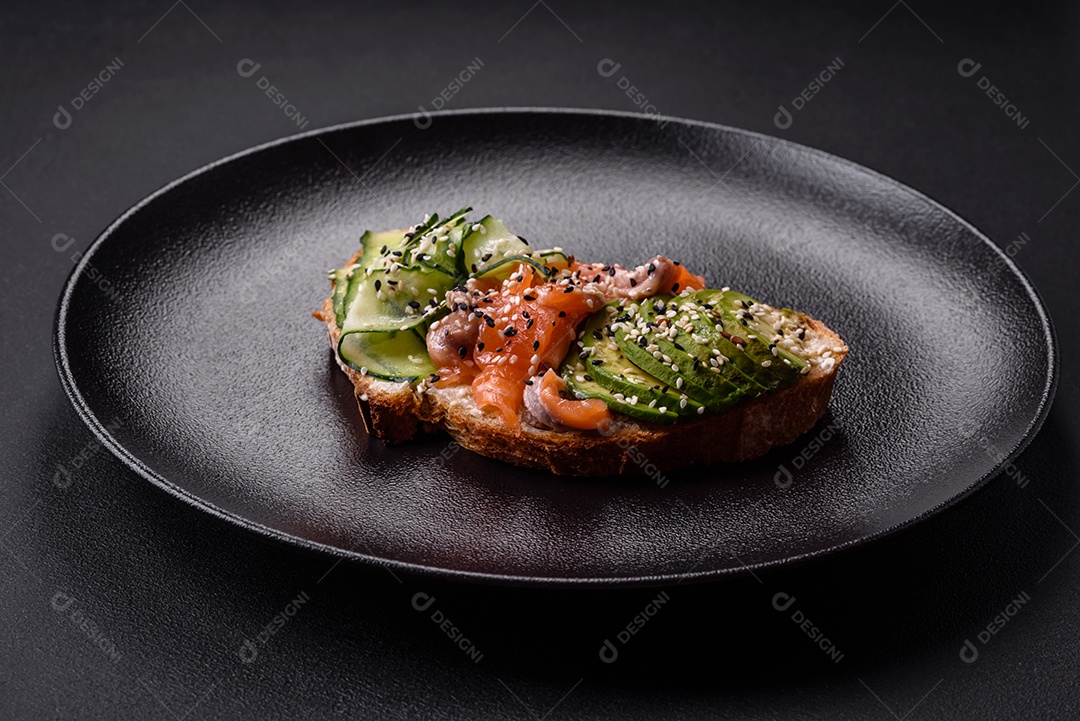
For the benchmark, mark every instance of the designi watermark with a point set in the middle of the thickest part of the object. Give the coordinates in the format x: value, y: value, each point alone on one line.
x: 247, y: 67
x: 62, y: 477
x: 783, y: 476
x: 63, y: 117
x: 422, y: 602
x: 607, y: 68
x: 784, y: 118
x: 969, y: 430
x: 61, y: 242
x: 968, y: 68
x: 63, y: 603
x: 634, y: 454
x: 609, y: 652
x: 249, y: 650
x: 472, y: 69
x: 969, y: 652
x: 783, y: 601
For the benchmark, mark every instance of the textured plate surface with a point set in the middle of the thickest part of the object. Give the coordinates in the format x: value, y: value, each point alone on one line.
x: 184, y: 339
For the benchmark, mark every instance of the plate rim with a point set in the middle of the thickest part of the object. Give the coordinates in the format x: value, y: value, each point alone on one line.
x: 82, y: 408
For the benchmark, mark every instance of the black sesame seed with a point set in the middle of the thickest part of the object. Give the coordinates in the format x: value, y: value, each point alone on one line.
x: 611, y: 271
x: 652, y: 268
x: 678, y: 346
x: 490, y: 321
x: 378, y: 284
x: 597, y: 335
x: 633, y: 283
x: 584, y: 355
x: 485, y: 257
x: 463, y: 351
x: 529, y: 324
x: 596, y: 279
x: 480, y: 346
x: 414, y: 304
x: 528, y: 382
x: 478, y: 313
x: 597, y: 361
x: 562, y: 314
x: 536, y: 345
x: 675, y: 288
x: 587, y: 377
x: 510, y: 331
x: 569, y: 289
x: 529, y: 297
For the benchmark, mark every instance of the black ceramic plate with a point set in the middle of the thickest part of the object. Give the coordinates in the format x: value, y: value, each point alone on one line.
x: 185, y: 340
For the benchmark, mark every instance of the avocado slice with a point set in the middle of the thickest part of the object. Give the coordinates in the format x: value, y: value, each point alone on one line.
x: 601, y: 360
x: 696, y: 332
x: 643, y: 338
x: 761, y: 327
x: 587, y: 387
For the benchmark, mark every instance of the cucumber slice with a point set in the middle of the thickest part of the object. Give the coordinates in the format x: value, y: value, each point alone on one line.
x: 488, y: 244
x: 341, y: 280
x: 372, y: 244
x: 439, y: 247
x: 392, y: 356
x: 394, y: 301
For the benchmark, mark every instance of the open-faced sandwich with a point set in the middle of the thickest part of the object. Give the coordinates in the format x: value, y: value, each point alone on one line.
x: 536, y: 358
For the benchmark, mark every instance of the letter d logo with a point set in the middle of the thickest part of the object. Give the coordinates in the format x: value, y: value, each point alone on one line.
x: 968, y: 652
x: 608, y: 652
x: 782, y: 601
x: 422, y: 601
x: 61, y: 479
x: 967, y: 68
x: 247, y: 67
x: 782, y: 478
x: 783, y: 119
x: 248, y: 653
x: 61, y: 601
x: 607, y: 67
x: 62, y: 118
x: 423, y: 120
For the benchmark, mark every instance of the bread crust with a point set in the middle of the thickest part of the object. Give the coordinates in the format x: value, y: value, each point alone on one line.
x: 396, y: 412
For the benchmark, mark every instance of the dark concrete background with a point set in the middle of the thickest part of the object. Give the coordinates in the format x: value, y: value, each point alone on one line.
x: 117, y: 601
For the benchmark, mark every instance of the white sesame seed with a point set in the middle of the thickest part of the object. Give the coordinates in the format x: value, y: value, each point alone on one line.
x: 701, y: 410
x: 766, y: 363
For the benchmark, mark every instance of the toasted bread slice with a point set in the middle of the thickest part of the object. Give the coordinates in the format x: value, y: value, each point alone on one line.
x: 396, y: 412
